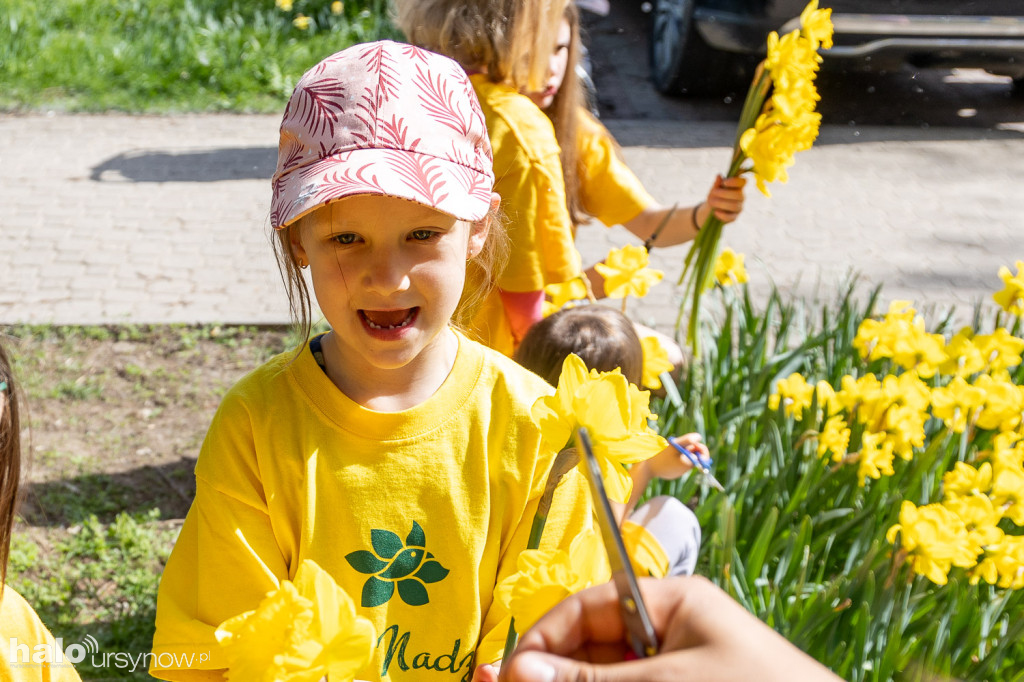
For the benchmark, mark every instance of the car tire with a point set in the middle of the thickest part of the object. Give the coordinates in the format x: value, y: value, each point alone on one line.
x: 681, y: 62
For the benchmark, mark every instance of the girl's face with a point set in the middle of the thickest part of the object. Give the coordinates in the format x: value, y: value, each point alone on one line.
x: 387, y: 274
x: 557, y: 64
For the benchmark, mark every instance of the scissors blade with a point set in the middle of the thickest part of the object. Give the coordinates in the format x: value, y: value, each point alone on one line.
x: 642, y: 636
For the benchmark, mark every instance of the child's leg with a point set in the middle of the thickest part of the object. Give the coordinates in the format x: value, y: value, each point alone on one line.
x: 674, y: 526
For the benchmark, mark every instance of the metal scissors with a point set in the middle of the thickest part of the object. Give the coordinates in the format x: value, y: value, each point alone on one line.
x: 701, y: 464
x: 642, y: 637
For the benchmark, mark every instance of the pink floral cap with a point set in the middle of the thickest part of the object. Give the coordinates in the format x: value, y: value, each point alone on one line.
x: 383, y: 118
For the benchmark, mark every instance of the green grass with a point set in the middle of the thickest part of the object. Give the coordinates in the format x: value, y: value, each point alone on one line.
x: 100, y: 580
x: 169, y: 55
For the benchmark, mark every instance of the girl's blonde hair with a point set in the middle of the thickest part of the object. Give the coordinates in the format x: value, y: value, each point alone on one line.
x: 602, y: 337
x: 482, y: 271
x: 509, y: 40
x: 10, y: 460
x: 564, y: 112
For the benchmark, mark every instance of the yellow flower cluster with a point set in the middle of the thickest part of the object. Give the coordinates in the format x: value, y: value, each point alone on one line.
x: 963, y: 529
x: 970, y: 388
x: 302, y: 631
x: 788, y: 122
x: 614, y: 411
x: 967, y: 385
x: 546, y: 577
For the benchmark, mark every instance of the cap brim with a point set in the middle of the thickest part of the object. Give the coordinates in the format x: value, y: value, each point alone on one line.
x: 449, y: 187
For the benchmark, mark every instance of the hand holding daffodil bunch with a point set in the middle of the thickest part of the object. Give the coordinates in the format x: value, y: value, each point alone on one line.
x: 770, y: 132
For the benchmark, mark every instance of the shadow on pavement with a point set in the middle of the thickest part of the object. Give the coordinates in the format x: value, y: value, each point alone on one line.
x: 214, y: 165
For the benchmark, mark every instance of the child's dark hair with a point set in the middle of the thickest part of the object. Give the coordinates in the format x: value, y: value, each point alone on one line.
x: 602, y: 337
x: 10, y: 459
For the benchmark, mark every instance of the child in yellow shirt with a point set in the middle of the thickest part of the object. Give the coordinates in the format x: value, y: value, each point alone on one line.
x: 662, y: 535
x: 393, y: 451
x: 28, y: 652
x: 598, y: 182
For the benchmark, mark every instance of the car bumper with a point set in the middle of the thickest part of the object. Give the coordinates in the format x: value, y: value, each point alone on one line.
x: 993, y: 42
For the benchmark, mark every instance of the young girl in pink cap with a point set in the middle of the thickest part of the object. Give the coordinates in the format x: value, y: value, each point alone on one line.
x: 393, y: 451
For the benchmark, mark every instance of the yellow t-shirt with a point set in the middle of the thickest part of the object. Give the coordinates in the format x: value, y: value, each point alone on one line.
x: 609, y: 190
x: 292, y: 469
x: 28, y: 652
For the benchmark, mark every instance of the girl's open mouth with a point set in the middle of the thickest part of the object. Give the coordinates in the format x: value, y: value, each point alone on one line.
x: 388, y: 320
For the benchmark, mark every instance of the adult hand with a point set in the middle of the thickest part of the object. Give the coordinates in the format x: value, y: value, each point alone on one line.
x: 703, y: 634
x: 725, y: 199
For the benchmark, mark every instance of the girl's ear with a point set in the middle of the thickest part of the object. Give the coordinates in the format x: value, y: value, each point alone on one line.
x: 478, y: 230
x: 295, y: 241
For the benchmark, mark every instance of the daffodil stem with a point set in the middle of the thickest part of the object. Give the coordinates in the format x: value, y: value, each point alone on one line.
x: 698, y: 268
x: 564, y: 461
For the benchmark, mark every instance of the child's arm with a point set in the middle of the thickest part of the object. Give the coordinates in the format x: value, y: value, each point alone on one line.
x: 668, y: 464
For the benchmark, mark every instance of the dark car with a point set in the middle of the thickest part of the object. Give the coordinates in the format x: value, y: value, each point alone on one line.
x: 704, y: 46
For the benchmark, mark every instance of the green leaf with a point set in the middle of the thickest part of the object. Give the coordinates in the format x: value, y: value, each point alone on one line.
x: 756, y: 554
x: 376, y: 592
x: 365, y: 562
x: 431, y: 572
x: 385, y: 543
x: 416, y: 538
x: 413, y: 592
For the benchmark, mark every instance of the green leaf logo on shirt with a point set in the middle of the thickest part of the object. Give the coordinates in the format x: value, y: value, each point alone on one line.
x: 393, y: 562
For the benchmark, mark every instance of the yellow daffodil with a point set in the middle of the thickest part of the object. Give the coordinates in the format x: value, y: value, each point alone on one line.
x: 284, y: 5
x: 1011, y: 298
x: 794, y: 393
x: 816, y: 25
x: 963, y: 356
x: 904, y: 427
x: 981, y: 519
x: 1004, y: 403
x: 301, y: 22
x: 958, y: 404
x: 546, y: 577
x: 1008, y: 492
x: 300, y: 632
x: 729, y: 268
x: 1000, y: 349
x: 875, y: 457
x: 834, y: 438
x: 1003, y: 564
x: 337, y: 7
x: 826, y: 397
x: 626, y: 273
x: 964, y: 479
x: 561, y: 293
x: 935, y: 538
x: 614, y: 412
x: 656, y: 362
